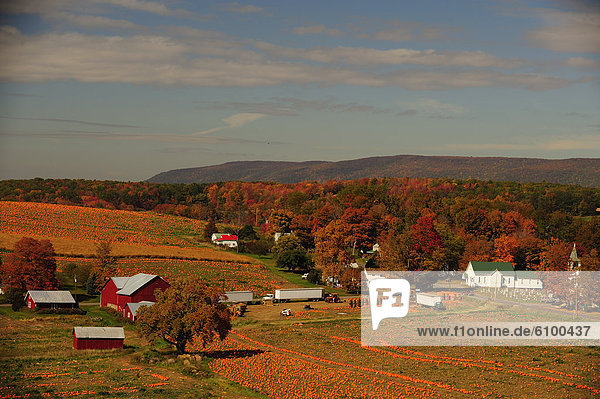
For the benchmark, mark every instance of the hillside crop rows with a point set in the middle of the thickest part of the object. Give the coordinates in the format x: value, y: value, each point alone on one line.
x: 79, y: 223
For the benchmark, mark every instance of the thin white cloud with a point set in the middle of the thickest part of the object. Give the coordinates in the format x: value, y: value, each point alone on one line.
x: 146, y: 6
x: 393, y: 31
x: 222, y: 62
x: 121, y: 136
x: 316, y: 29
x: 51, y: 7
x: 242, y: 9
x: 92, y: 22
x: 581, y: 62
x: 76, y: 121
x: 233, y: 121
x: 369, y: 57
x: 568, y: 32
x: 290, y: 106
x: 550, y: 144
x: 432, y: 108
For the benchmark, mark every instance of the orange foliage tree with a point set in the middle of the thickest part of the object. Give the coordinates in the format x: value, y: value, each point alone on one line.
x: 188, y: 310
x: 331, y: 248
x: 555, y: 255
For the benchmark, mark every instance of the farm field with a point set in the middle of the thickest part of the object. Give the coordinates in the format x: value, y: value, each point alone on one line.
x: 80, y: 223
x: 229, y: 275
x: 75, y: 230
x: 37, y: 360
x: 316, y: 357
x: 314, y: 353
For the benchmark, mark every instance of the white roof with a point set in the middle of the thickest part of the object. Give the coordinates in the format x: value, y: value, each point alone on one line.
x: 134, y: 283
x: 99, y: 332
x: 119, y: 281
x: 485, y: 273
x: 134, y: 306
x: 51, y: 296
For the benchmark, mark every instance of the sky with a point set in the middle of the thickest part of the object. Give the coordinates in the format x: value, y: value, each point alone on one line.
x: 125, y: 89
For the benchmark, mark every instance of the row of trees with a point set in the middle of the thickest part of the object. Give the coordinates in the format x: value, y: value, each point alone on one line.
x: 248, y: 203
x: 428, y: 224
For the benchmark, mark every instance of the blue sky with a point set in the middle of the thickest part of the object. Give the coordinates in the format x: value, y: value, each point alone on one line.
x: 124, y: 89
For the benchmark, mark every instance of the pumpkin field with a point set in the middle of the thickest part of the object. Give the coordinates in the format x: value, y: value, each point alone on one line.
x: 325, y: 358
x: 75, y: 230
x: 229, y: 275
x: 315, y: 353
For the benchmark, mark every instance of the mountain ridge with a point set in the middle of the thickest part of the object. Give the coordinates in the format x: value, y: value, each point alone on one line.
x: 576, y: 171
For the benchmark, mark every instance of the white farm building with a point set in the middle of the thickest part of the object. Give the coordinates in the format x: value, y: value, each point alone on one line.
x: 499, y: 275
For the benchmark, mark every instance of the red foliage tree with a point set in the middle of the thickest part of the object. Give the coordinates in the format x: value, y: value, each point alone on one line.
x: 425, y: 238
x: 31, y: 266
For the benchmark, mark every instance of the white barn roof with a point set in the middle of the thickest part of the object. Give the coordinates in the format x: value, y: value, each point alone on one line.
x: 99, y: 332
x: 134, y: 306
x: 119, y: 281
x: 134, y: 283
x: 51, y: 296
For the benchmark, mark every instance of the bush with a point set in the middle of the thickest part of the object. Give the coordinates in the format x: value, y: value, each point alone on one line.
x: 293, y: 259
x: 247, y: 233
x: 93, y: 284
x: 16, y: 297
x: 256, y: 247
x: 314, y: 276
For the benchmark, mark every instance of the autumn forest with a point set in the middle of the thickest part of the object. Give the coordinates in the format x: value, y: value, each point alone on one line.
x: 418, y: 224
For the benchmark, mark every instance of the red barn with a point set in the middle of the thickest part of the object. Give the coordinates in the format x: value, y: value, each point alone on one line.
x: 98, y: 337
x: 49, y: 299
x: 130, y: 310
x: 119, y: 291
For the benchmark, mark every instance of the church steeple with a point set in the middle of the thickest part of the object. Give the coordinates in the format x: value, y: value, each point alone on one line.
x: 574, y: 261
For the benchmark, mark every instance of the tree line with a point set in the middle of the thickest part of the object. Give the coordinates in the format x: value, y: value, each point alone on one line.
x: 418, y: 224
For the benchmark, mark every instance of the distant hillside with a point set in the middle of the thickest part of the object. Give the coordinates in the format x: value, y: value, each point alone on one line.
x: 578, y: 171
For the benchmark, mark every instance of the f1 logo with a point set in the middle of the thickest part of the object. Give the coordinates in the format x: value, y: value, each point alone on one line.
x: 388, y: 298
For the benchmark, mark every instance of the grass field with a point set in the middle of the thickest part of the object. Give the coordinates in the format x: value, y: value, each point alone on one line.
x: 37, y: 360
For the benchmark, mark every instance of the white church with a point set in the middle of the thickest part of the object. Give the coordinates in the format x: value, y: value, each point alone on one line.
x: 500, y: 275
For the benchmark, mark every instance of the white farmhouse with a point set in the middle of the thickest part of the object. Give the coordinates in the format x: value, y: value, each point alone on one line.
x: 229, y: 240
